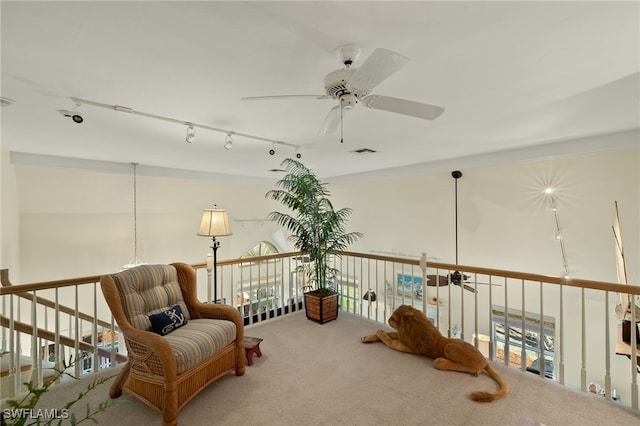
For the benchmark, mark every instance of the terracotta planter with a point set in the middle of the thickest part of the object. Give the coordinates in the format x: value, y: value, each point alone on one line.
x: 321, y: 308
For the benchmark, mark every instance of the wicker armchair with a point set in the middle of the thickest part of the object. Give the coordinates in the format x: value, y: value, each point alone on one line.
x: 166, y: 371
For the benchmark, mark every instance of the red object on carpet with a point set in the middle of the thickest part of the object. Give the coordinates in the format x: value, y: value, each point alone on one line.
x: 252, y: 346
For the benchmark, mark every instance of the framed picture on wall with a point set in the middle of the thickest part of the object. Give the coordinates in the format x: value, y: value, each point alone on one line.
x: 406, y: 285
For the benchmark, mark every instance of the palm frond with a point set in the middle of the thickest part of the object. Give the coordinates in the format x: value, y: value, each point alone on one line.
x: 316, y: 228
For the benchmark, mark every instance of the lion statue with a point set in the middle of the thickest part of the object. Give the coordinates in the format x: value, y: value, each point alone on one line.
x: 415, y: 334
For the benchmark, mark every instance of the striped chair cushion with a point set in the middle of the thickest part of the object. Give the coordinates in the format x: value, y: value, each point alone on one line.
x: 199, y: 339
x: 149, y: 289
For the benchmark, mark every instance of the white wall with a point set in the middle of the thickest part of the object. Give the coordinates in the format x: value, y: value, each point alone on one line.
x: 504, y: 219
x: 9, y: 216
x: 78, y: 222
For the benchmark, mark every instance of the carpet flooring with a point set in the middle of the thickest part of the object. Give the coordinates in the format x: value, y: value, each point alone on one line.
x: 313, y: 374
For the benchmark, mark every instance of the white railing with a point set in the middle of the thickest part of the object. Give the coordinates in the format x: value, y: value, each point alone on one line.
x: 44, y: 324
x: 562, y: 330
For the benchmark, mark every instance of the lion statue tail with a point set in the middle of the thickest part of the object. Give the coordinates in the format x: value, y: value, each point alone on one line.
x: 482, y: 396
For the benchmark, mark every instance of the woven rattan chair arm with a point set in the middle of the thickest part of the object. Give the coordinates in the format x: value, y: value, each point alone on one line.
x: 197, y: 309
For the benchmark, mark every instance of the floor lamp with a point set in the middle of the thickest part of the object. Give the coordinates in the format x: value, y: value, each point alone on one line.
x: 215, y: 223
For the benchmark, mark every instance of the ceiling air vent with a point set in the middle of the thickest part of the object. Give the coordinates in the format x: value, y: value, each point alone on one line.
x: 363, y: 151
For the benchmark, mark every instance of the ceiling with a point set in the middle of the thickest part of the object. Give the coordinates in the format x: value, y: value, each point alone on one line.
x: 514, y: 78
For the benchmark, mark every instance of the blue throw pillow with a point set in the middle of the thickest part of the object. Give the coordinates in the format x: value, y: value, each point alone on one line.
x: 167, y: 321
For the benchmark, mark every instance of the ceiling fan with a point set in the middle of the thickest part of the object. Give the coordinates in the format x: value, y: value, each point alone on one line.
x: 351, y: 85
x: 455, y: 278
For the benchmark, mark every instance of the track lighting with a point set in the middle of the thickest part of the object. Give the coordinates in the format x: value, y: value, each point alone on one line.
x: 190, y: 125
x: 77, y: 118
x: 191, y: 134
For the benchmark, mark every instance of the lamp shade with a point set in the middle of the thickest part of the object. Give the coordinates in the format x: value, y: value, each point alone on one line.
x: 215, y: 223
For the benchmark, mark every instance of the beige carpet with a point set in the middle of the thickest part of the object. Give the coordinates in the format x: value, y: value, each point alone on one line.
x: 313, y: 374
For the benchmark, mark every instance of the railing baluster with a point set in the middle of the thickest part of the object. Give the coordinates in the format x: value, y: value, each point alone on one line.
x: 95, y: 356
x: 523, y: 328
x: 633, y: 327
x: 542, y: 357
x: 78, y: 336
x: 16, y: 355
x: 12, y: 346
x: 583, y: 369
x: 449, y: 310
x: 607, y: 348
x: 36, y: 366
x: 112, y: 349
x: 209, y: 284
x: 56, y: 347
x: 561, y: 336
x: 3, y: 345
x: 475, y: 310
x: 506, y: 324
x: 437, y: 282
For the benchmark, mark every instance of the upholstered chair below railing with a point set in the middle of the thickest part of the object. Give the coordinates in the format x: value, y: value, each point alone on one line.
x: 176, y: 345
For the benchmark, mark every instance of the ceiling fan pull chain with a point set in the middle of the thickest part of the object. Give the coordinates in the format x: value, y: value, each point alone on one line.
x: 341, y: 131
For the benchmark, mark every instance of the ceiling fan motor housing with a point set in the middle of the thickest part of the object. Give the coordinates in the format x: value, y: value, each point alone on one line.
x: 336, y: 84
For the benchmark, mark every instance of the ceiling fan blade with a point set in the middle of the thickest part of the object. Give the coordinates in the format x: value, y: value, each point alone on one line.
x: 377, y: 68
x: 467, y: 287
x: 331, y: 121
x: 403, y: 106
x: 260, y: 98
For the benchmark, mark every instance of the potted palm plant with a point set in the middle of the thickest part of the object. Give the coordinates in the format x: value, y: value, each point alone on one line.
x: 318, y: 231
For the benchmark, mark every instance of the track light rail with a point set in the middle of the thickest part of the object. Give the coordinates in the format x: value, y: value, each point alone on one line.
x: 128, y: 110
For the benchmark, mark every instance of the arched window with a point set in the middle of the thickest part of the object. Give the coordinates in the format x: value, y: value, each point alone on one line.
x: 263, y: 248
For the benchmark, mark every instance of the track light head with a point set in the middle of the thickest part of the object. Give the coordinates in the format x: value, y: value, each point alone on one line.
x: 228, y: 142
x: 77, y: 118
x: 191, y: 134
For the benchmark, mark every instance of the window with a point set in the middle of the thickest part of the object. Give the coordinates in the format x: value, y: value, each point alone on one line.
x: 524, y: 340
x: 263, y: 248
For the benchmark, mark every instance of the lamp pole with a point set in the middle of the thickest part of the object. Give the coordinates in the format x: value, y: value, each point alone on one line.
x: 456, y: 277
x: 456, y: 175
x: 214, y: 245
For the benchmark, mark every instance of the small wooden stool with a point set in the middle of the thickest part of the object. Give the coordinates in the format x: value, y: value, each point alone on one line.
x: 252, y: 346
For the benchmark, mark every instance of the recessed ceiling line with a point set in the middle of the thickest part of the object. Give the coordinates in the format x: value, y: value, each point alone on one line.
x: 128, y: 110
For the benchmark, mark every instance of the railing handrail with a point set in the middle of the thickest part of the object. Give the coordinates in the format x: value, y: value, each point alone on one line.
x: 572, y: 282
x: 8, y: 288
x: 63, y: 308
x: 64, y: 340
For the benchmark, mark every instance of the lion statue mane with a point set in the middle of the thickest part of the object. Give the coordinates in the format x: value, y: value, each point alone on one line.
x: 416, y: 334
